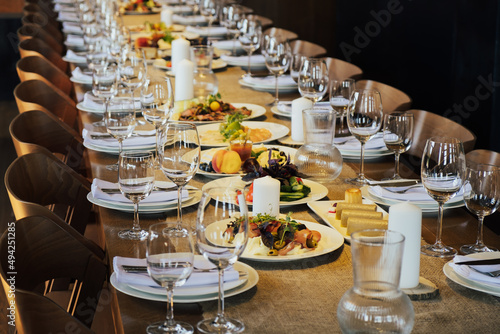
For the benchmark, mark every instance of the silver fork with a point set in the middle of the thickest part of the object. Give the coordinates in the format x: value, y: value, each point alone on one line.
x: 495, y: 273
x: 403, y: 190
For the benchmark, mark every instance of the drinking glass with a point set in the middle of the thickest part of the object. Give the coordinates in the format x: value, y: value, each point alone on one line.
x: 442, y: 173
x: 231, y: 17
x: 210, y: 10
x: 218, y: 207
x: 180, y: 156
x: 170, y: 258
x: 398, y: 136
x: 104, y: 86
x: 133, y: 71
x: 313, y: 78
x: 364, y: 118
x: 295, y: 64
x: 340, y: 92
x: 136, y: 180
x: 120, y: 122
x: 482, y: 198
x: 157, y: 102
x: 277, y: 55
x: 250, y: 38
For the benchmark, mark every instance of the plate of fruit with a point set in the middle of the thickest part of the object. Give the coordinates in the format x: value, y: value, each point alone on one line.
x: 140, y: 7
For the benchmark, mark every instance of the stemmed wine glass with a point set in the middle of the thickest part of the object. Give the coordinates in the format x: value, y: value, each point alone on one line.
x: 170, y: 259
x: 133, y: 71
x: 313, y: 78
x: 277, y: 55
x: 442, y: 173
x: 157, y: 102
x: 180, y: 156
x: 295, y: 64
x: 482, y: 197
x: 219, y: 247
x: 210, y: 10
x: 250, y: 38
x: 136, y: 180
x: 104, y: 86
x: 340, y: 92
x: 398, y: 136
x: 364, y: 118
x: 231, y: 16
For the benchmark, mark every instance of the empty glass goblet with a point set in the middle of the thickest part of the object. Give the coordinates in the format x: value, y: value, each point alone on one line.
x: 250, y: 37
x: 340, y: 92
x: 398, y: 136
x: 277, y: 54
x: 313, y: 78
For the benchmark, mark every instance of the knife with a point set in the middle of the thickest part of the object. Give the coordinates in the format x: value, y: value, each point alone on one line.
x: 480, y: 262
x: 394, y: 184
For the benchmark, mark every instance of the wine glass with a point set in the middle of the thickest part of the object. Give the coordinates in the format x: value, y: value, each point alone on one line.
x: 104, y: 86
x: 170, y: 259
x: 398, y: 136
x: 120, y: 122
x: 277, y: 55
x: 295, y: 64
x: 180, y: 156
x: 136, y: 180
x: 210, y: 10
x: 482, y: 198
x: 250, y: 38
x: 219, y: 247
x: 133, y: 71
x: 364, y: 118
x: 313, y: 78
x: 157, y: 102
x: 340, y: 92
x: 231, y: 16
x: 442, y: 173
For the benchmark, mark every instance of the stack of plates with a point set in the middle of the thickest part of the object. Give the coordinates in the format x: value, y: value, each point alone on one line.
x: 138, y: 141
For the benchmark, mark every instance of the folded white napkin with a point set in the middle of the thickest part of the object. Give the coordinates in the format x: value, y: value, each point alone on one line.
x: 471, y: 274
x: 243, y: 60
x: 414, y: 194
x: 68, y: 16
x: 186, y: 20
x: 71, y: 55
x: 147, y: 139
x: 61, y: 7
x: 72, y: 28
x: 154, y: 197
x: 286, y: 106
x: 205, y: 31
x: 95, y: 103
x: 283, y: 81
x: 179, y: 9
x: 351, y: 143
x: 227, y: 44
x: 74, y: 40
x: 197, y: 278
x: 79, y: 75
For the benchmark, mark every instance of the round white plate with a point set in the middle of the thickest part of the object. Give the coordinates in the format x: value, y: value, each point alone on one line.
x: 270, y: 88
x: 278, y: 112
x: 82, y: 81
x: 115, y: 151
x: 257, y: 111
x: 77, y: 62
x: 474, y: 285
x: 277, y: 131
x: 193, y: 198
x: 253, y: 278
x: 217, y: 64
x: 81, y: 106
x: 206, y: 156
x: 318, y: 191
x: 324, y: 210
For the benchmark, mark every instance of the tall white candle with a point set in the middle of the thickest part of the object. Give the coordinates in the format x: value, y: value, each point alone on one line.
x: 166, y: 16
x: 406, y: 218
x: 266, y: 196
x: 297, y: 123
x: 181, y: 49
x: 184, y: 80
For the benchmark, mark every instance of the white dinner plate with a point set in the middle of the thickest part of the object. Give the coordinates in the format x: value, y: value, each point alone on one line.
x: 325, y: 210
x: 270, y: 88
x: 193, y: 198
x: 252, y: 279
x: 217, y: 64
x: 206, y: 156
x: 115, y: 150
x: 257, y: 111
x: 489, y: 288
x: 76, y: 62
x: 82, y: 81
x: 277, y: 131
x: 318, y: 191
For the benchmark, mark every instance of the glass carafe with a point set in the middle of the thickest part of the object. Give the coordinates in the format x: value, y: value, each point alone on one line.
x: 318, y: 159
x: 375, y: 304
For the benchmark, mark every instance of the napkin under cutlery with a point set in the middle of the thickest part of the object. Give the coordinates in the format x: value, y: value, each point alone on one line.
x: 72, y: 28
x: 205, y: 31
x: 78, y: 74
x: 68, y: 16
x: 286, y: 106
x: 179, y: 9
x: 413, y: 194
x: 146, y: 138
x: 197, y: 278
x: 351, y: 143
x: 227, y: 44
x: 254, y: 59
x: 92, y: 102
x: 73, y: 56
x: 75, y: 40
x: 475, y: 273
x: 191, y: 19
x: 283, y: 81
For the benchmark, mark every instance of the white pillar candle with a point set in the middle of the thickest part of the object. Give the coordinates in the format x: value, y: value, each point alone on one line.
x: 166, y: 16
x: 406, y: 218
x: 266, y: 196
x: 297, y: 123
x: 184, y: 80
x: 181, y: 49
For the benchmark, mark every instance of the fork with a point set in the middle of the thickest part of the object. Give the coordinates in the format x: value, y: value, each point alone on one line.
x: 495, y: 273
x: 403, y: 190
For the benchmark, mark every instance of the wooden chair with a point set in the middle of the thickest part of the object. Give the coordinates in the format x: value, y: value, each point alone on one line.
x: 37, y: 95
x: 30, y: 30
x: 38, y: 68
x: 42, y: 7
x: 39, y: 184
x: 50, y: 24
x: 37, y: 47
x: 264, y: 21
x: 341, y: 70
x: 484, y: 157
x: 286, y: 34
x: 37, y: 131
x: 307, y: 49
x: 392, y: 98
x: 45, y: 251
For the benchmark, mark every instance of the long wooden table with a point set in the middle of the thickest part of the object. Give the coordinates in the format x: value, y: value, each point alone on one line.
x: 301, y: 296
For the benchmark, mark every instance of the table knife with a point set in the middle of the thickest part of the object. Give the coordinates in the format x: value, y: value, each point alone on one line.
x: 394, y: 184
x: 480, y: 262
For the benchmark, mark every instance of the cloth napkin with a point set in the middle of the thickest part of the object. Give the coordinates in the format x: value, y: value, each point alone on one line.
x: 243, y: 60
x: 286, y: 106
x: 154, y: 197
x: 283, y: 81
x: 74, y: 40
x: 471, y: 274
x: 351, y: 143
x: 95, y: 103
x: 71, y: 55
x: 414, y: 194
x: 146, y: 139
x: 79, y: 75
x: 186, y: 20
x: 72, y: 28
x: 179, y: 9
x: 63, y: 7
x: 205, y: 31
x: 227, y: 44
x: 68, y: 16
x: 197, y: 278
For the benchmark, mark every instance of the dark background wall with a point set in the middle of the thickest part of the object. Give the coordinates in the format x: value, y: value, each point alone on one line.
x: 444, y: 54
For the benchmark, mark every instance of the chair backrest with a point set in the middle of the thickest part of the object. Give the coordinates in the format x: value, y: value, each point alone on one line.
x: 392, y: 98
x: 45, y: 251
x: 264, y: 21
x: 50, y: 24
x: 35, y: 131
x: 31, y: 30
x: 37, y: 95
x: 286, y: 34
x: 482, y: 156
x: 307, y: 49
x: 39, y: 68
x: 39, y: 184
x: 42, y: 7
x: 341, y: 70
x: 37, y: 47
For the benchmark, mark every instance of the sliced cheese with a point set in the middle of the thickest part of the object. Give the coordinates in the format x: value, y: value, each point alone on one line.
x: 357, y: 224
x: 354, y: 206
x: 347, y: 213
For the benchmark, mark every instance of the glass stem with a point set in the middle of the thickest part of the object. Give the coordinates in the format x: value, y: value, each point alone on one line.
x: 361, y: 175
x: 220, y: 319
x: 157, y: 138
x: 342, y: 123
x: 248, y: 68
x: 396, y: 166
x: 479, y: 241
x: 136, y: 228
x: 439, y: 230
x: 120, y: 149
x: 179, y: 207
x: 169, y: 320
x: 276, y: 100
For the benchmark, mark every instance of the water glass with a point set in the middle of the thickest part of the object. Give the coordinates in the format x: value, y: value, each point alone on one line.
x: 340, y: 92
x: 250, y: 38
x: 398, y: 136
x: 313, y: 78
x: 277, y: 55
